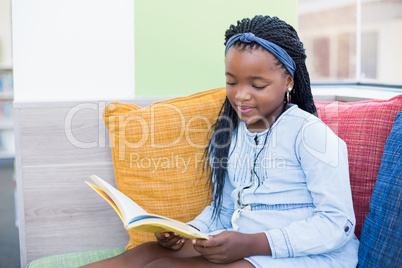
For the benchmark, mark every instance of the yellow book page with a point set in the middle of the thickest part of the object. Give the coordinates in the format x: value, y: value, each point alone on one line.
x: 128, y: 208
x: 160, y: 224
x: 136, y: 218
x: 107, y: 198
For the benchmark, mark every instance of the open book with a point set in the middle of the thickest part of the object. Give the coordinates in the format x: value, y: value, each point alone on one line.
x: 136, y: 218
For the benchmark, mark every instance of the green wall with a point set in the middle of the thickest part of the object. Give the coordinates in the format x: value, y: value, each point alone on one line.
x: 179, y: 43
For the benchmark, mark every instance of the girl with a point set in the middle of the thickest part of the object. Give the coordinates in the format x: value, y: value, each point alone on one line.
x: 282, y: 196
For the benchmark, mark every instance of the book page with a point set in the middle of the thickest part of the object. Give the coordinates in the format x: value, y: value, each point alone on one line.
x: 128, y: 208
x: 158, y: 224
x: 107, y: 198
x: 136, y: 218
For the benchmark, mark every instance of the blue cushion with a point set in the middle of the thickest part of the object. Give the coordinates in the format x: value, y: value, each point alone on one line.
x: 381, y: 240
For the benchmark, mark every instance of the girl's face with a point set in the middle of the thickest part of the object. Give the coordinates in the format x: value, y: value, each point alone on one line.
x: 256, y: 86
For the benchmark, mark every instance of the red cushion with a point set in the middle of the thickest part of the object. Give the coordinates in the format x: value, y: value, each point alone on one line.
x: 364, y: 126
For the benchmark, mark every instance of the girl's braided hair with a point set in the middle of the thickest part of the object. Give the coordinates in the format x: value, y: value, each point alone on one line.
x: 284, y: 35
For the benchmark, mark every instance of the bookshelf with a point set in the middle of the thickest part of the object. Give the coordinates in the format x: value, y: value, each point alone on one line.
x: 7, y: 140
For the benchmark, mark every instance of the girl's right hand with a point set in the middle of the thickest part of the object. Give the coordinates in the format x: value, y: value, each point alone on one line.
x: 170, y: 240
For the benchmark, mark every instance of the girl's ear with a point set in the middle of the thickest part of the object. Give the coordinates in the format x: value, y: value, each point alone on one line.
x: 289, y: 81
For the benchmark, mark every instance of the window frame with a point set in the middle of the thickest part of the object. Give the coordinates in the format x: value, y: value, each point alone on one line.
x: 358, y: 82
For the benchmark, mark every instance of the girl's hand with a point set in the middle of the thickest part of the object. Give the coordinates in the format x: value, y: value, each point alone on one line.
x: 170, y: 240
x: 230, y: 246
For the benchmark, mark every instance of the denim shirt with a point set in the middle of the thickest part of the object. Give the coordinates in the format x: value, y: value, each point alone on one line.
x: 299, y: 162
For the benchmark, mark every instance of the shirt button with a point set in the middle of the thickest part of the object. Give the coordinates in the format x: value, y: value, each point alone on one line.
x: 346, y: 229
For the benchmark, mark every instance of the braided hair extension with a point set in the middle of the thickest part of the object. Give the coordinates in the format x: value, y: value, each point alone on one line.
x: 284, y: 35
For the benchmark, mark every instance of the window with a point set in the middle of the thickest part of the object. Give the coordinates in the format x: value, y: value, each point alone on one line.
x: 352, y: 40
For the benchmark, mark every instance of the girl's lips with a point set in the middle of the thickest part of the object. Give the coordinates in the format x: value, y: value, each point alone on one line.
x: 244, y: 110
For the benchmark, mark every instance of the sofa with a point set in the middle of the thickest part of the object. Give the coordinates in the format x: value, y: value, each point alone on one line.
x: 153, y: 154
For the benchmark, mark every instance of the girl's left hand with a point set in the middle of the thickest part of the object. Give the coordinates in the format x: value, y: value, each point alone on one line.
x: 170, y: 240
x: 225, y: 247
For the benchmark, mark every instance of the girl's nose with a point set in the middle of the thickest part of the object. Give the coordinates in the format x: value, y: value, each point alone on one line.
x: 242, y: 94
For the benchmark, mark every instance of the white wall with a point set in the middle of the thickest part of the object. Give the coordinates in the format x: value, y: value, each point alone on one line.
x: 72, y: 50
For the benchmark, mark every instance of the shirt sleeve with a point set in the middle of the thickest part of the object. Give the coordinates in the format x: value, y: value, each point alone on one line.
x: 324, y: 160
x: 205, y: 221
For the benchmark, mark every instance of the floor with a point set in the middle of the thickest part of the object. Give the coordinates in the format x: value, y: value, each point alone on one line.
x: 9, y: 244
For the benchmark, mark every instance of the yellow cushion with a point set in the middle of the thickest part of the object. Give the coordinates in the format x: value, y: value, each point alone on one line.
x: 157, y: 154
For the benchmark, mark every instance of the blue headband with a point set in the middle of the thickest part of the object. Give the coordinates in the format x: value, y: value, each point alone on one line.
x: 276, y: 50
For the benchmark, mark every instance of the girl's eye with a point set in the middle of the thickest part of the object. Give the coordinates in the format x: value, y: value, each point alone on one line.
x: 230, y: 84
x: 257, y: 87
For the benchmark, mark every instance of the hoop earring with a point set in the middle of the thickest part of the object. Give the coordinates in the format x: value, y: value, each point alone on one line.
x: 288, y: 94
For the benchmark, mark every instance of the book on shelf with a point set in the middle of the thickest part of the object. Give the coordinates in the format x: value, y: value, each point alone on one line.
x: 136, y: 218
